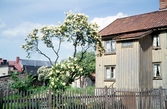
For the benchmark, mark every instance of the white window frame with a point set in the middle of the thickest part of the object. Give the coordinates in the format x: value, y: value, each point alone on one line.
x: 156, y: 41
x: 157, y: 70
x: 110, y: 46
x: 110, y: 72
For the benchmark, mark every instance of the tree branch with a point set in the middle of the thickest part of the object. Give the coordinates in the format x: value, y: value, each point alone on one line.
x: 57, y: 52
x: 40, y: 52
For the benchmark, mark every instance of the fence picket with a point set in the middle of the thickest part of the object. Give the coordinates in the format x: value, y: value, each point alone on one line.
x: 103, y: 98
x: 1, y: 98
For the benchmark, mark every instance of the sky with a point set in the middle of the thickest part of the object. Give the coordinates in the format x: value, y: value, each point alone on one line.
x: 20, y: 17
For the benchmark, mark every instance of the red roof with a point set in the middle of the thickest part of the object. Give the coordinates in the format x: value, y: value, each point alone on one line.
x: 136, y: 23
x: 15, y: 63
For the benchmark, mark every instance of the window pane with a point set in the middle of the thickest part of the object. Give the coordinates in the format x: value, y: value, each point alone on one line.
x: 156, y: 41
x: 126, y: 43
x: 113, y: 44
x: 113, y: 72
x: 108, y: 73
x: 156, y: 70
x: 108, y: 46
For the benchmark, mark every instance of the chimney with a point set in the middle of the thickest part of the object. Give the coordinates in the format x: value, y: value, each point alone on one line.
x: 17, y: 59
x: 163, y: 4
x: 5, y: 62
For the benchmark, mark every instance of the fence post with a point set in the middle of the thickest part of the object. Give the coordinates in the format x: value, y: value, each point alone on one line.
x: 165, y: 101
x: 106, y: 97
x: 50, y: 98
x: 1, y: 98
x: 160, y: 97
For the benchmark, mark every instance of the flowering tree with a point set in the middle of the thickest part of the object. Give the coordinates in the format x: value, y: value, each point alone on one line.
x: 43, y: 74
x: 76, y: 30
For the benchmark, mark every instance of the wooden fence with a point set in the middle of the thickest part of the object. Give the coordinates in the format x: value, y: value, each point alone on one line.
x: 100, y: 98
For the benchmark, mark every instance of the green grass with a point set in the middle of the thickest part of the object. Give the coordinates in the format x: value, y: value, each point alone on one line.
x: 89, y: 90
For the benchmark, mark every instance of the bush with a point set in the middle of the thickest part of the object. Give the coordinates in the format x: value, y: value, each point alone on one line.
x: 21, y: 83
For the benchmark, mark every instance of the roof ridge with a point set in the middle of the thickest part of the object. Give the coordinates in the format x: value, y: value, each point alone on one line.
x: 33, y: 60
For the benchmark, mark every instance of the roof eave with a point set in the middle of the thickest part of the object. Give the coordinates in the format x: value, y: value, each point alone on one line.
x: 154, y: 29
x: 136, y: 37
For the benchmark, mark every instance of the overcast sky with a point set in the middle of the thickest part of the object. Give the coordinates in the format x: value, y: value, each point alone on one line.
x: 19, y: 17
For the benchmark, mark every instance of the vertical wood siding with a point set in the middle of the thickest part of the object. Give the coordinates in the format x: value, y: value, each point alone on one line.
x: 161, y: 56
x: 146, y: 68
x: 100, y: 63
x: 127, y: 73
x: 99, y: 72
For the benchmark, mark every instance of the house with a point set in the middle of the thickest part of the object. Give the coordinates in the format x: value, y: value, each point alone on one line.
x: 6, y: 67
x: 84, y: 82
x: 136, y: 51
x: 31, y: 66
x: 22, y: 66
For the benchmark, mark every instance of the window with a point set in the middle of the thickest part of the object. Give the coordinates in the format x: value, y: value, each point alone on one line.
x: 127, y: 44
x: 110, y: 46
x: 156, y: 41
x: 109, y: 72
x: 156, y: 71
x: 11, y: 69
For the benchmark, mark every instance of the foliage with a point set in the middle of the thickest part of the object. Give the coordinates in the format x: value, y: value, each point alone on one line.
x: 75, y: 30
x: 63, y: 74
x: 21, y: 83
x: 88, y: 62
x: 43, y: 74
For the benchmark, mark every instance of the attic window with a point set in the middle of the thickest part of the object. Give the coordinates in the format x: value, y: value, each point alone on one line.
x: 127, y: 44
x: 156, y: 41
x: 110, y: 46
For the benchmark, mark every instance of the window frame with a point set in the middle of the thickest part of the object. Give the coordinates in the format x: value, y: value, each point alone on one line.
x: 127, y: 44
x: 157, y: 74
x: 156, y: 41
x: 112, y: 71
x: 111, y: 46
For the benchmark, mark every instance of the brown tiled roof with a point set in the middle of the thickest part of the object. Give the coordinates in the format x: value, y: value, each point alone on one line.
x: 140, y: 22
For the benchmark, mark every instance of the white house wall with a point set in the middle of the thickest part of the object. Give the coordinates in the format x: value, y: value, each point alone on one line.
x: 3, y: 70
